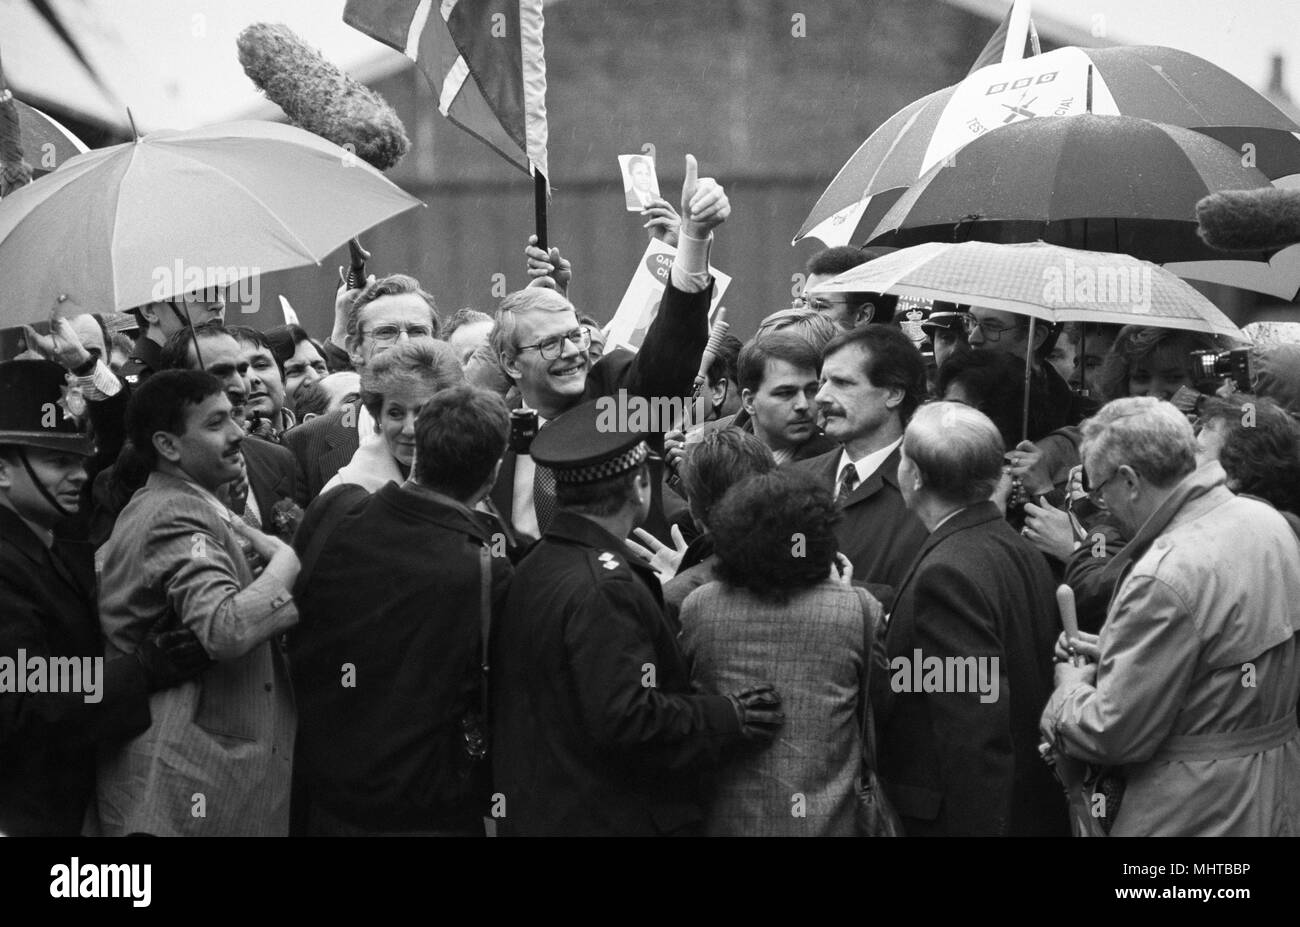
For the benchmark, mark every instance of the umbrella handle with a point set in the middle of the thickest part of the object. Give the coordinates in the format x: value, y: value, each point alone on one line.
x: 356, y: 278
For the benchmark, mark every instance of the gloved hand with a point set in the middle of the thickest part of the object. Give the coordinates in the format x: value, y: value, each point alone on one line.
x: 759, y: 711
x: 171, y: 658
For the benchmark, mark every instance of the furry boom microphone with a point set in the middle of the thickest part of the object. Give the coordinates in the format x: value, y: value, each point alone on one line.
x: 320, y: 97
x: 1250, y: 220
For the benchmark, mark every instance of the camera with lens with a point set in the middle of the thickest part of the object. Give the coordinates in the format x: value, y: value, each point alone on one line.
x: 523, y: 428
x: 1215, y: 365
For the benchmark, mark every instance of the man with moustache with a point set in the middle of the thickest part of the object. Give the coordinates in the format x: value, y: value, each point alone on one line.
x: 271, y: 476
x: 872, y: 380
x: 216, y: 759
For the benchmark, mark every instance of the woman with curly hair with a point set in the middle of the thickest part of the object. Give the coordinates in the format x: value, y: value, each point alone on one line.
x: 1258, y: 446
x: 784, y: 611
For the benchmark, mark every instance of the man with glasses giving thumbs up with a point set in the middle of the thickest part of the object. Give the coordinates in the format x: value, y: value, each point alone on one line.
x: 545, y: 352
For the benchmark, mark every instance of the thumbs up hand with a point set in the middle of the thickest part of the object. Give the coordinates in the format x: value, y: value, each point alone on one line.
x: 704, y: 202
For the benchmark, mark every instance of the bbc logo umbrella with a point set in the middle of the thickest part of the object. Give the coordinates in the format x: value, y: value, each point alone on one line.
x: 1148, y: 82
x: 181, y: 212
x: 1104, y: 183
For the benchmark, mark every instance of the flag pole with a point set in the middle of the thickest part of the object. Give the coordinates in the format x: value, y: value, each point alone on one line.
x: 539, y: 207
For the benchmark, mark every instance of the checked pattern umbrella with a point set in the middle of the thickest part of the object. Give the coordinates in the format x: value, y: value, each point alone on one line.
x: 1040, y: 280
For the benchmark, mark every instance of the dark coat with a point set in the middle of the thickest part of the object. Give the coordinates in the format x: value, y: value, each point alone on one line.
x: 665, y: 366
x: 952, y: 764
x: 395, y: 593
x: 48, y: 741
x: 593, y: 732
x: 272, y: 477
x: 322, y: 447
x: 877, y: 532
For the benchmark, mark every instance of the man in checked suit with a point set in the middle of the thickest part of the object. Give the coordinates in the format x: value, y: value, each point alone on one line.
x: 545, y: 353
x: 872, y: 380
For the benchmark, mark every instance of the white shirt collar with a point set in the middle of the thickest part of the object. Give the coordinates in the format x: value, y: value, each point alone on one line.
x: 867, y: 465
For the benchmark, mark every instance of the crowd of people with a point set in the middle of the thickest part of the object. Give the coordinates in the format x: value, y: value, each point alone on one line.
x: 403, y: 581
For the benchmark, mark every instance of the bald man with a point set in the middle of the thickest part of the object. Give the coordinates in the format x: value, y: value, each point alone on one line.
x: 964, y: 665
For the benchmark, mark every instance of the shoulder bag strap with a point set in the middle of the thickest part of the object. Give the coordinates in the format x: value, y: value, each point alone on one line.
x: 485, y: 622
x: 868, y: 718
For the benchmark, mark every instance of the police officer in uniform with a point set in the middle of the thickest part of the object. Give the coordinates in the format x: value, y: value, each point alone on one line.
x: 47, y: 588
x: 159, y: 321
x: 594, y: 729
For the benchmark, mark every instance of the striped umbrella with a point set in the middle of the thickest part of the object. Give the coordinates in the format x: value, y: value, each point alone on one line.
x: 1149, y: 82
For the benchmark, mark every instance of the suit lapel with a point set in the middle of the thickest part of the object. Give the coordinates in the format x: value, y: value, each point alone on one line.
x: 887, y: 472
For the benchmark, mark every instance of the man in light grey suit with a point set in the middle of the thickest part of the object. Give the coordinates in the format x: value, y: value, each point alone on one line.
x: 216, y: 761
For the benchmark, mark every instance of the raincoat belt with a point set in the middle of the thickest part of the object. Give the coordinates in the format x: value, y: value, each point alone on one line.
x: 1228, y: 744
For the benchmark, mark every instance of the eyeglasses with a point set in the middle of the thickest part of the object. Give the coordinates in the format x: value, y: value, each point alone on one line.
x: 1094, y: 492
x: 387, y: 334
x: 992, y: 333
x: 552, y: 347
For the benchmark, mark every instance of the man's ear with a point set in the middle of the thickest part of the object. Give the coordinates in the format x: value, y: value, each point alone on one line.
x: 1040, y: 335
x: 719, y: 391
x: 511, y: 367
x: 150, y: 313
x: 895, y: 398
x: 166, y: 446
x: 747, y: 400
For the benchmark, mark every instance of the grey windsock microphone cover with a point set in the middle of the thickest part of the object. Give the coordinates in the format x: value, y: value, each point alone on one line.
x: 320, y: 97
x: 1265, y: 219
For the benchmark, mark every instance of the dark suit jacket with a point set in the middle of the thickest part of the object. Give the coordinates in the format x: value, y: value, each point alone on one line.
x: 952, y: 764
x: 48, y: 740
x: 388, y: 754
x: 322, y: 447
x: 877, y: 532
x: 272, y: 476
x: 665, y: 366
x: 585, y: 740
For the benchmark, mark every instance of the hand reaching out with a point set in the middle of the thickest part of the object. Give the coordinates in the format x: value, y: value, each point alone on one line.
x: 664, y: 560
x: 664, y: 222
x: 61, y: 345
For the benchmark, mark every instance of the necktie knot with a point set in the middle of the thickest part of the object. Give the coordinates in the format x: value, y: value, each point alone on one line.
x: 848, y: 479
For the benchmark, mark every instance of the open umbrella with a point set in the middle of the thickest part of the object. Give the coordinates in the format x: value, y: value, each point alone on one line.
x: 1149, y: 82
x: 178, y: 212
x: 46, y: 142
x: 1041, y: 281
x: 1096, y: 182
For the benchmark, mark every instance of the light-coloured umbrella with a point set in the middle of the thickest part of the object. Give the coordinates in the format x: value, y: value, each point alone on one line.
x: 176, y: 212
x: 1040, y: 280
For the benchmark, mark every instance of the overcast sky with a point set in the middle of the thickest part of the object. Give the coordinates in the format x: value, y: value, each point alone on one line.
x: 180, y: 69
